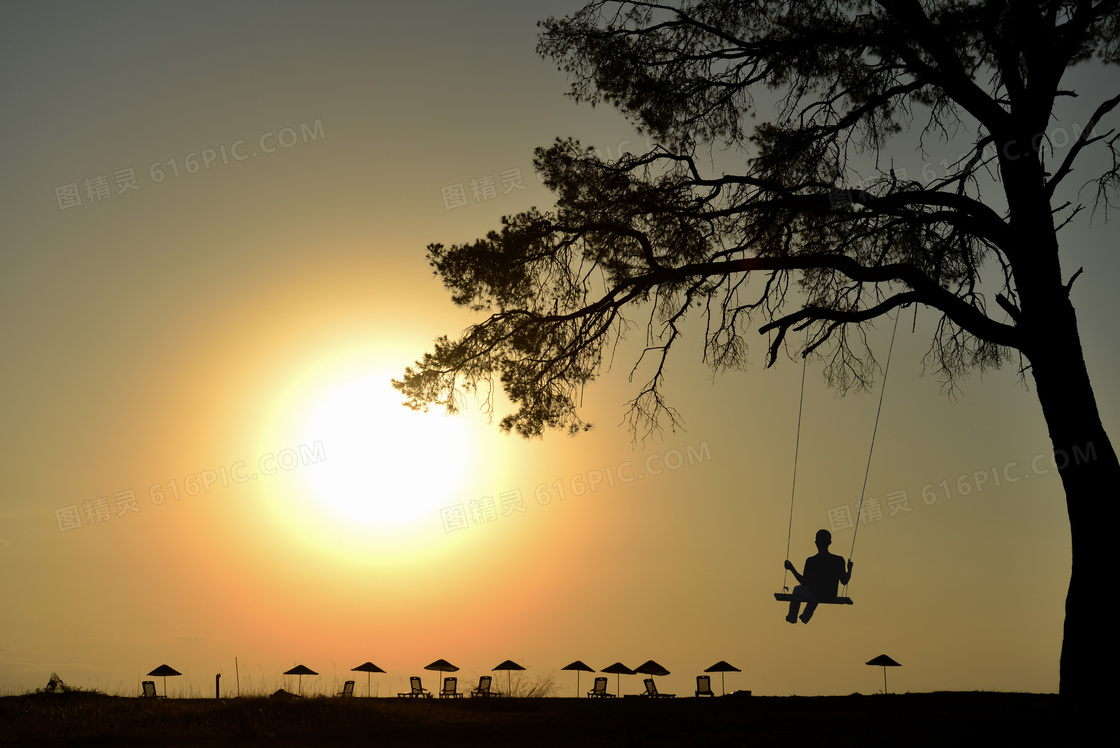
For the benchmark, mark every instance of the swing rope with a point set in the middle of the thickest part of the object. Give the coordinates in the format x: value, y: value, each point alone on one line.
x: 796, y: 448
x: 871, y: 451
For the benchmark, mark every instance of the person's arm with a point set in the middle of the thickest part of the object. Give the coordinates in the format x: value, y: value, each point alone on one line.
x: 848, y: 574
x: 800, y: 579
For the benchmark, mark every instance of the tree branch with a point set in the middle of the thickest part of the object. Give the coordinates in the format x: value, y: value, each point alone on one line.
x: 1083, y: 140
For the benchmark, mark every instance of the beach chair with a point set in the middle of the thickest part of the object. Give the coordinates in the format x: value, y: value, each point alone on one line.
x: 484, y: 687
x: 450, y: 684
x: 347, y: 689
x: 417, y: 690
x: 704, y: 685
x: 600, y: 690
x: 651, y: 691
x: 149, y: 692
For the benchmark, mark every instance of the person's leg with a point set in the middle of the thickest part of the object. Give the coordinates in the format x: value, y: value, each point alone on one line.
x: 795, y: 604
x: 810, y: 607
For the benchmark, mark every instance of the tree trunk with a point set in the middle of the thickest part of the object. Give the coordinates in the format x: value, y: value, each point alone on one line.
x: 1090, y: 474
x: 1083, y: 454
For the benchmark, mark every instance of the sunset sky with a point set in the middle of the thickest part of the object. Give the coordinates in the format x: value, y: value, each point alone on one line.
x: 214, y: 221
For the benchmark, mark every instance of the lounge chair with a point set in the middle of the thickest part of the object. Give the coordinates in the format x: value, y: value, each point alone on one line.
x: 450, y: 684
x: 149, y: 692
x: 417, y: 690
x: 484, y: 687
x: 651, y: 691
x: 704, y: 685
x: 347, y: 689
x: 600, y: 690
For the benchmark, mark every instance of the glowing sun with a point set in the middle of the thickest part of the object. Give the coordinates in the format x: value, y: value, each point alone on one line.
x: 386, y: 466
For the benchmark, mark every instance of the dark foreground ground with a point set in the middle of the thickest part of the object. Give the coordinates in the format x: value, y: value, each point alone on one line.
x: 906, y: 720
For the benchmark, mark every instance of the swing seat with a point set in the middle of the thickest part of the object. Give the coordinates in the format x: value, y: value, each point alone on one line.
x: 788, y: 597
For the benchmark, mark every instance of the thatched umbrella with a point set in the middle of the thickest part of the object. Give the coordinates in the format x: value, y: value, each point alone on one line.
x: 651, y: 668
x: 165, y: 670
x: 618, y: 669
x: 722, y: 667
x: 578, y: 665
x: 367, y: 668
x: 300, y: 670
x: 508, y: 666
x: 442, y: 666
x: 885, y: 662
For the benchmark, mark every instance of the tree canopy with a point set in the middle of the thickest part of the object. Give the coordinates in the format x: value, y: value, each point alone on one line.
x: 815, y: 230
x: 654, y: 227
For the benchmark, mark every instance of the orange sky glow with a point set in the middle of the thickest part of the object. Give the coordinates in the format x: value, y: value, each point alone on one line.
x: 214, y: 235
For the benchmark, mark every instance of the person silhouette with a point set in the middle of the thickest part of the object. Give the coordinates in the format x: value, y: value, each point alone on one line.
x: 823, y: 572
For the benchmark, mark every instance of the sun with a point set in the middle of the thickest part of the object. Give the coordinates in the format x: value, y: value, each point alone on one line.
x: 386, y: 467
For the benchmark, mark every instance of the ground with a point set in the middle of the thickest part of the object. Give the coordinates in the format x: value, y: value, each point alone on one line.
x: 911, y: 720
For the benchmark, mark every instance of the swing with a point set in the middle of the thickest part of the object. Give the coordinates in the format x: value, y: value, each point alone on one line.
x: 842, y: 599
x: 788, y: 597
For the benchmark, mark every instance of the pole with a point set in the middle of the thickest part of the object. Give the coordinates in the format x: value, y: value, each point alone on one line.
x: 217, y: 686
x: 237, y: 670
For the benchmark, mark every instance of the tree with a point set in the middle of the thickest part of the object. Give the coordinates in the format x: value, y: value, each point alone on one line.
x: 797, y: 240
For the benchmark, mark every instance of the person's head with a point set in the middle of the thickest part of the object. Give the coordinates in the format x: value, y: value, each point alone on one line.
x: 824, y: 539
